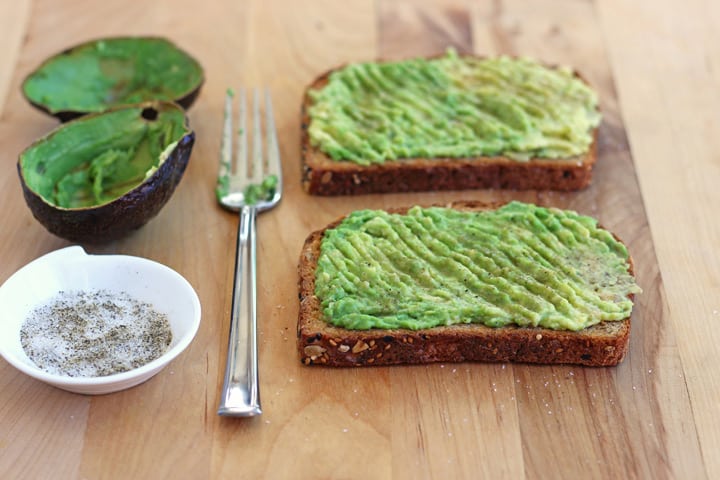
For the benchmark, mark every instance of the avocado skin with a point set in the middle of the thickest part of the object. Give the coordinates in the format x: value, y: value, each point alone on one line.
x: 114, y: 220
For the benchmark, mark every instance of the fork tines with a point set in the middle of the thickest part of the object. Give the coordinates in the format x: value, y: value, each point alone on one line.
x: 237, y: 172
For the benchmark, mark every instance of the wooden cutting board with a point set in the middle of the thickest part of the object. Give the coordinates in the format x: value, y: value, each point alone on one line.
x: 433, y: 421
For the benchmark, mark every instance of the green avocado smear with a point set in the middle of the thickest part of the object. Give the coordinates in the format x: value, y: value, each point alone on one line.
x: 97, y: 75
x: 520, y: 264
x: 96, y: 159
x: 454, y: 107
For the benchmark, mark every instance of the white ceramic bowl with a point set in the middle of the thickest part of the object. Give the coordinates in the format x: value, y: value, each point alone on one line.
x: 72, y: 269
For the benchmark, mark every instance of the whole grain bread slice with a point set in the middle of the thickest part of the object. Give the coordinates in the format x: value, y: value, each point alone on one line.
x: 320, y: 343
x: 321, y: 175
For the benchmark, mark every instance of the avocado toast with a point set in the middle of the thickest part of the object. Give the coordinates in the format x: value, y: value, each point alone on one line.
x: 467, y: 282
x: 448, y: 123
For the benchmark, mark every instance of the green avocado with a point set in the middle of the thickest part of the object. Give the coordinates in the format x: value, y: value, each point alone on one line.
x: 518, y: 265
x: 98, y: 177
x: 106, y: 73
x: 452, y: 107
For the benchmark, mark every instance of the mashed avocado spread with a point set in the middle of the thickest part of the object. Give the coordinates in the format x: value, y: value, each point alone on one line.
x: 521, y: 264
x: 453, y: 107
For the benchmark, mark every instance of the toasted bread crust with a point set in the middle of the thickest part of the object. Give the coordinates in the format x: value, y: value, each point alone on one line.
x: 323, y: 176
x: 320, y: 343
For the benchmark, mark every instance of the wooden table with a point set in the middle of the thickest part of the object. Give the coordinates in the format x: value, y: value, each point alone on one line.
x: 656, y: 65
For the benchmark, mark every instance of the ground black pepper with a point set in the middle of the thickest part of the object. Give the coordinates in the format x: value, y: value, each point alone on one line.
x: 94, y: 334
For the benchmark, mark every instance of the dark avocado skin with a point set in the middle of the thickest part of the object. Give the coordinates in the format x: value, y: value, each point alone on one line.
x: 122, y: 216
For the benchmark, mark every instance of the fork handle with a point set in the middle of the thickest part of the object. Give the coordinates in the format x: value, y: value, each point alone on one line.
x: 240, y: 396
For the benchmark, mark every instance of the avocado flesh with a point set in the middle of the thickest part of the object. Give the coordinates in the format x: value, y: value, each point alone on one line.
x: 97, y: 159
x: 97, y: 75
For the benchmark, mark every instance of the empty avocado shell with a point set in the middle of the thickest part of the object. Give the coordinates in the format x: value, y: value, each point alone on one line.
x: 101, y: 176
x: 106, y: 73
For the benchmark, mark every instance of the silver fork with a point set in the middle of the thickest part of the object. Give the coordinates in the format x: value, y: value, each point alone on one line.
x: 251, y: 189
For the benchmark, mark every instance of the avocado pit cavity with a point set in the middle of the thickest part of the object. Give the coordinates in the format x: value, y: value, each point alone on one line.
x: 103, y: 175
x: 106, y: 73
x: 116, y: 153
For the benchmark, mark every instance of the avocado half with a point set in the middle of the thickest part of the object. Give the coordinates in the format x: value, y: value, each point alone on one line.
x: 110, y: 72
x: 103, y: 175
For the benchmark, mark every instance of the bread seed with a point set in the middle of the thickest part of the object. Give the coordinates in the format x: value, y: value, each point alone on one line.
x: 559, y: 350
x: 372, y: 343
x: 360, y: 346
x: 343, y: 348
x: 314, y: 351
x: 327, y: 176
x: 332, y: 342
x: 538, y: 336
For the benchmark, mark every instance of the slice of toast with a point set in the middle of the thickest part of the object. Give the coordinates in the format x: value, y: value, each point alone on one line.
x: 321, y: 175
x: 321, y: 343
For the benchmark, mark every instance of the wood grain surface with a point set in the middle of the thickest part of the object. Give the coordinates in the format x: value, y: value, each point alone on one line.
x: 655, y: 65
